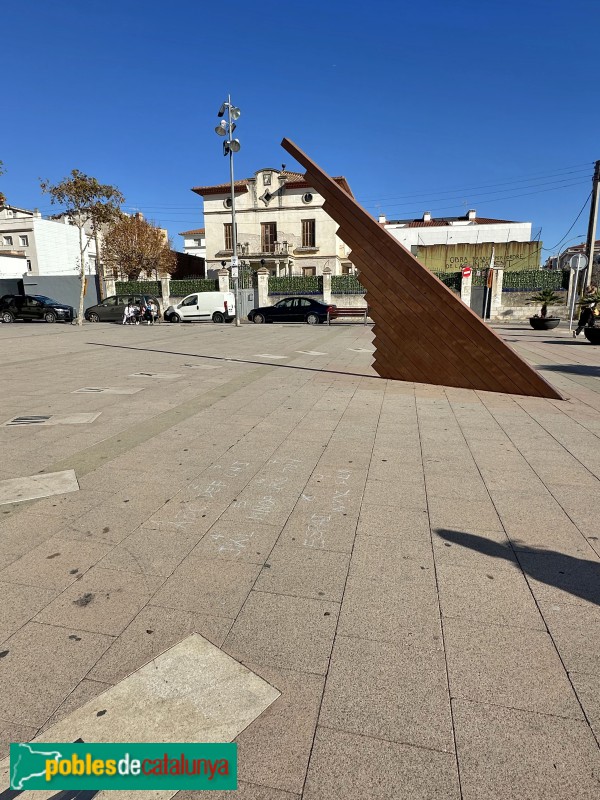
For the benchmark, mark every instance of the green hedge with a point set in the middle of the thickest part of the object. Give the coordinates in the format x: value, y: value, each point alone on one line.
x: 191, y: 285
x: 535, y: 280
x: 138, y: 287
x: 451, y: 279
x: 312, y: 284
x: 346, y: 284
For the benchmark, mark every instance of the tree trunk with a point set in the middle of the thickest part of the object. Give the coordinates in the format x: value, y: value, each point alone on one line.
x: 81, y: 275
x: 99, y: 266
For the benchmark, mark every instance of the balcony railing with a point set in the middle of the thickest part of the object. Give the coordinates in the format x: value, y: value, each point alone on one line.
x: 273, y: 249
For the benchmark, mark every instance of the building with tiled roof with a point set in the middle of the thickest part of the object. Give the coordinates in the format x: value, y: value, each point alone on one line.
x: 468, y: 229
x: 194, y: 242
x: 281, y: 225
x: 449, y: 243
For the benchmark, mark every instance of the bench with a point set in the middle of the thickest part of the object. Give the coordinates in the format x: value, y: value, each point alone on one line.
x: 348, y: 312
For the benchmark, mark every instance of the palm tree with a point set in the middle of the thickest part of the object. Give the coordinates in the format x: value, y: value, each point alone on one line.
x: 547, y: 297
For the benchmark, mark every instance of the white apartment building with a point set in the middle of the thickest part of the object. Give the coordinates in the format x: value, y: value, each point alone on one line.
x: 49, y: 246
x: 194, y: 242
x: 281, y: 225
x: 469, y: 229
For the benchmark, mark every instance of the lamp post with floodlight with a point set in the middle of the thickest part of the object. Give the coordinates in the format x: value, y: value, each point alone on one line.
x: 230, y: 146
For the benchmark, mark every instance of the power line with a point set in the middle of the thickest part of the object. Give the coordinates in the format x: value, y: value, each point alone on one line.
x: 534, y: 176
x: 501, y: 199
x: 572, y: 226
x: 556, y: 184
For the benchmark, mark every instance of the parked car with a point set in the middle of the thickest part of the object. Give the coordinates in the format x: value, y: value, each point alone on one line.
x: 293, y: 309
x: 218, y: 306
x: 34, y: 306
x: 111, y: 308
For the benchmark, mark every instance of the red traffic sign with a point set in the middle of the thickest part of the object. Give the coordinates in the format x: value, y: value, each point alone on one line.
x: 466, y: 272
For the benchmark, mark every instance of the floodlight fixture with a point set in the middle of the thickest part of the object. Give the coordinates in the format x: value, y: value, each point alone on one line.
x: 222, y: 110
x: 221, y: 128
x: 234, y: 112
x: 234, y: 145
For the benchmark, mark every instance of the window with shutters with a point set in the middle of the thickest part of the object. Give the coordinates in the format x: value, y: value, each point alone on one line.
x: 308, y: 233
x: 228, y: 232
x: 268, y: 236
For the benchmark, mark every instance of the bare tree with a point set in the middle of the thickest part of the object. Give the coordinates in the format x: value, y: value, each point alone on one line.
x: 136, y: 247
x: 89, y: 203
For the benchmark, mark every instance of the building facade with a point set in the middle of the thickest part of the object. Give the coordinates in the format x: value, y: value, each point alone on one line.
x: 469, y: 229
x: 48, y: 246
x: 281, y: 225
x: 194, y: 242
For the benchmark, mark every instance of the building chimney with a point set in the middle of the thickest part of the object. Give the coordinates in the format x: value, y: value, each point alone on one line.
x: 382, y: 219
x: 427, y: 216
x: 471, y: 214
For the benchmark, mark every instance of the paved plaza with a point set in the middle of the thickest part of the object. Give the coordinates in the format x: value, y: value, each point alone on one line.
x: 414, y: 569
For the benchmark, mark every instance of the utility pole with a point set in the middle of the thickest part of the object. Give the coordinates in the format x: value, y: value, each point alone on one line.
x: 591, y: 235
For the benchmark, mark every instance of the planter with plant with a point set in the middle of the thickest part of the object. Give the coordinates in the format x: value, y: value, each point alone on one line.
x: 541, y: 321
x: 591, y: 300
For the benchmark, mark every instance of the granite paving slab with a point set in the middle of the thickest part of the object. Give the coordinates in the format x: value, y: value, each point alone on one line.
x: 535, y: 756
x: 363, y: 768
x: 41, y: 665
x: 393, y: 691
x: 284, y: 632
x: 510, y: 667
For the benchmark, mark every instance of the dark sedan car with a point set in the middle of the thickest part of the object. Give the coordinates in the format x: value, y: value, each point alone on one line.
x: 34, y: 306
x: 293, y: 309
x: 111, y: 308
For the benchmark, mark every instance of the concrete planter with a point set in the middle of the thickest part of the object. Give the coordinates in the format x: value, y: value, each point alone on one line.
x: 544, y: 323
x: 592, y: 335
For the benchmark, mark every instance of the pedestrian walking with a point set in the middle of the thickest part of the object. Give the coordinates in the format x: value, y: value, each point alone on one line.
x: 586, y: 317
x: 149, y: 312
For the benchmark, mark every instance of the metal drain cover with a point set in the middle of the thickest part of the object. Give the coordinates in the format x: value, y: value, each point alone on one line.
x: 51, y: 419
x: 106, y: 390
x: 31, y: 420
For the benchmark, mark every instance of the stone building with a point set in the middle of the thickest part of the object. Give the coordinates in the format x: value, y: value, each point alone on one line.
x: 281, y: 225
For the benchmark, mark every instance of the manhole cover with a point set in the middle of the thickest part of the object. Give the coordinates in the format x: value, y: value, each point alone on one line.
x: 106, y: 390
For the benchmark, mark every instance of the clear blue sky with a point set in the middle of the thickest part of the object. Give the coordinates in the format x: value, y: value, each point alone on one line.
x: 437, y: 106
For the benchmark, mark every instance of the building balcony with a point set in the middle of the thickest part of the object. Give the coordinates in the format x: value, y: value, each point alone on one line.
x: 264, y: 250
x: 306, y: 249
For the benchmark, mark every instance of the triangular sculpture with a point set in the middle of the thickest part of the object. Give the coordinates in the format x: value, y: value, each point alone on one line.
x: 422, y: 332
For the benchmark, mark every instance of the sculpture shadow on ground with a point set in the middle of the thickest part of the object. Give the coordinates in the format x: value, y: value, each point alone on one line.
x: 264, y: 363
x: 579, y: 577
x: 572, y: 369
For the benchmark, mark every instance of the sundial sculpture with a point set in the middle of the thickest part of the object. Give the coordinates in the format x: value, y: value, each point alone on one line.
x: 422, y: 332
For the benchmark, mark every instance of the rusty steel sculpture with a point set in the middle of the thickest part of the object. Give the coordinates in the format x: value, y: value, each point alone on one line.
x: 422, y: 332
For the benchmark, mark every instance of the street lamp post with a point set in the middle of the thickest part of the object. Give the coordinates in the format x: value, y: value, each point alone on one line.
x: 573, y: 279
x: 560, y: 252
x: 231, y: 146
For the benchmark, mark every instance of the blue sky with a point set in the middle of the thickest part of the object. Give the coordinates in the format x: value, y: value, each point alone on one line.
x: 438, y: 106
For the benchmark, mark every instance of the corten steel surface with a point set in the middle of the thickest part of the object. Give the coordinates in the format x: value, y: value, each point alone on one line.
x: 422, y: 331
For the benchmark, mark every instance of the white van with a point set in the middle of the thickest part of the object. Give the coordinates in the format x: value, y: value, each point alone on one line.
x: 218, y: 306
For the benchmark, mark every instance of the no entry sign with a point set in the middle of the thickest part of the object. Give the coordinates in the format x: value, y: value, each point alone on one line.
x: 466, y: 272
